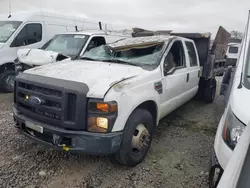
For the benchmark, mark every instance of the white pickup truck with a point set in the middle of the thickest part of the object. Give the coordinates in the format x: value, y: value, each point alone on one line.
x: 110, y: 100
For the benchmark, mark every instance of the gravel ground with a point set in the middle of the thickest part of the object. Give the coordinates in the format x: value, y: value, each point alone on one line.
x: 178, y: 157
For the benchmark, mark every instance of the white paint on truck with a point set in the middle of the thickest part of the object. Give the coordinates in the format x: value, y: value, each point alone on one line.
x: 99, y: 76
x: 125, y: 87
x: 128, y: 84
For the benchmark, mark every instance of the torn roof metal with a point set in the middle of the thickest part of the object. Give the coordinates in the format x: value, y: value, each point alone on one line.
x: 139, y: 42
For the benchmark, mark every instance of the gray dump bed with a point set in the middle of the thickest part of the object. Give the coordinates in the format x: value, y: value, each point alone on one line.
x: 206, y: 47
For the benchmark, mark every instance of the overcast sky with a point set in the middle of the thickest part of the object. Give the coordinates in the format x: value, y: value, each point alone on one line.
x: 179, y: 15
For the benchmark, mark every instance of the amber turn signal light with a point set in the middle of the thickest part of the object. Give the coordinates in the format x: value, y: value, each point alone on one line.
x: 105, y: 107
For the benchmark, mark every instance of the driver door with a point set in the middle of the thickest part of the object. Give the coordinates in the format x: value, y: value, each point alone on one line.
x: 175, y: 77
x: 30, y: 36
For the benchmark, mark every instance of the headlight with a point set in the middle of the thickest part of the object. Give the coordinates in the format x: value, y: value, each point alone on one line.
x: 232, y: 130
x: 101, y: 115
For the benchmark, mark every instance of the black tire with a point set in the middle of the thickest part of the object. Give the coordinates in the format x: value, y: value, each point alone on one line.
x: 210, y: 91
x: 4, y: 84
x: 126, y: 155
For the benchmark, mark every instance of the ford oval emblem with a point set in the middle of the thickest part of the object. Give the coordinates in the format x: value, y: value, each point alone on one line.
x: 34, y: 101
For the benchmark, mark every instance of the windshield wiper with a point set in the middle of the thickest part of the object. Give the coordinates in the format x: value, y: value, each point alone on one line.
x: 88, y: 58
x: 119, y: 61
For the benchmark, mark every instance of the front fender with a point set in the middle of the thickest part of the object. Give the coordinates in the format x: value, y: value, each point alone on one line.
x: 129, y: 99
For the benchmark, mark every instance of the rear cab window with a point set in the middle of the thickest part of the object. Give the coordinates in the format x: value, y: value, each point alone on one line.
x: 192, y: 54
x: 233, y: 50
x: 95, y: 42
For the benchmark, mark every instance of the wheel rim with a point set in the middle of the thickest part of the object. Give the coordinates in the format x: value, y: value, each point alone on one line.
x: 140, y: 139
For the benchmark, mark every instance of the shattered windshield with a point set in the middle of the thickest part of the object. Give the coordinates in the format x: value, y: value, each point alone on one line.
x: 7, y: 28
x: 140, y: 56
x: 67, y: 44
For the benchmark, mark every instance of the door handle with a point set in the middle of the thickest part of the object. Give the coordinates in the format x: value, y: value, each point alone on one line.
x: 187, y: 77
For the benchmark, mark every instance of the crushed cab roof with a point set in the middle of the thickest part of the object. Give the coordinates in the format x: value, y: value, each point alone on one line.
x: 139, y: 42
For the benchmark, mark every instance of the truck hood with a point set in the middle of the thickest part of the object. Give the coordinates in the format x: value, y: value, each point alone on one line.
x: 99, y: 76
x: 240, y: 104
x: 36, y: 57
x: 1, y: 45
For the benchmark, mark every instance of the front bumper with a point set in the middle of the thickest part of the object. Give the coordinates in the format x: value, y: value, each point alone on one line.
x: 222, y: 151
x: 215, y: 171
x: 68, y: 140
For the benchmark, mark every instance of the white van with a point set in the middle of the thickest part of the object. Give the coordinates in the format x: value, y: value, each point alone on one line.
x: 31, y: 30
x: 236, y: 115
x: 233, y: 52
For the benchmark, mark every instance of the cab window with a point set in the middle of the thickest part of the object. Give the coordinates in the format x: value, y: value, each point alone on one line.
x: 95, y: 42
x: 30, y: 34
x: 191, y: 54
x: 175, y: 58
x: 233, y: 50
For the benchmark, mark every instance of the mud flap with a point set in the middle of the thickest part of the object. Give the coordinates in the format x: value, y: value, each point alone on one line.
x: 207, y: 89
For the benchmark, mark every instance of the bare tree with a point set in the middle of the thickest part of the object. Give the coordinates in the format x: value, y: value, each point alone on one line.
x: 236, y: 35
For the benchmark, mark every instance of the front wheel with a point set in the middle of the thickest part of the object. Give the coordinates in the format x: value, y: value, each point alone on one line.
x: 7, y: 81
x: 136, y: 139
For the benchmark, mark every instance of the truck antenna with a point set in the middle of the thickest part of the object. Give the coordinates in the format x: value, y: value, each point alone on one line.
x: 244, y: 53
x: 100, y: 25
x: 9, y: 9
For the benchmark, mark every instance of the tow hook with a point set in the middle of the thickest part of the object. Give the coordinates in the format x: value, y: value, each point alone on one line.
x: 57, y: 140
x: 64, y: 147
